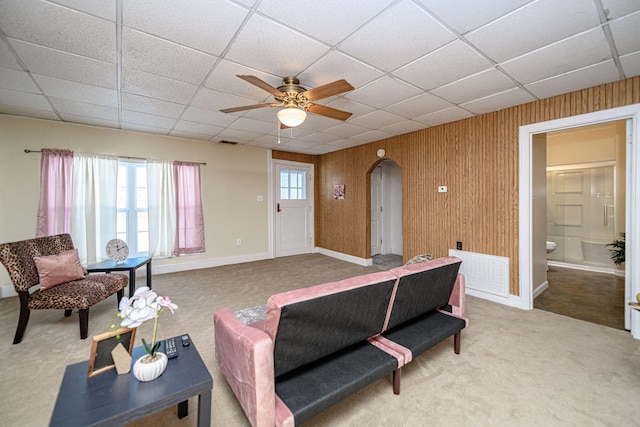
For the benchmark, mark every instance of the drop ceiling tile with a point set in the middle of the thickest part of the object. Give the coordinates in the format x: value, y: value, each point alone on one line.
x: 68, y: 108
x: 449, y: 63
x: 199, y: 128
x: 268, y: 46
x: 471, y: 14
x: 403, y: 127
x: 67, y: 66
x: 147, y: 105
x: 618, y: 8
x: 77, y: 91
x: 559, y: 57
x: 215, y: 118
x: 153, y: 55
x: 189, y: 135
x: 444, y: 116
x: 153, y: 86
x: 345, y: 130
x: 604, y: 72
x: 199, y: 24
x: 102, y: 9
x: 382, y: 92
x: 404, y: 32
x: 631, y: 64
x: 214, y: 101
x: 499, y: 101
x: 59, y: 27
x: 355, y: 108
x: 418, y: 106
x: 329, y: 20
x: 16, y: 110
x: 335, y: 66
x: 237, y: 135
x: 24, y: 100
x: 251, y: 125
x: 626, y: 33
x: 7, y: 59
x: 534, y: 26
x: 224, y: 78
x: 92, y: 121
x: 320, y: 138
x: 144, y: 129
x: 371, y: 136
x: 17, y: 80
x: 138, y: 118
x: 376, y: 119
x: 476, y: 86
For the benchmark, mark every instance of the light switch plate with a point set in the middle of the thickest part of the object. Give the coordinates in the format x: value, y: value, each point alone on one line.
x: 442, y: 189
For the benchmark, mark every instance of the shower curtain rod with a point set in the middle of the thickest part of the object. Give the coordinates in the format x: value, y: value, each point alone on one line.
x: 26, y: 150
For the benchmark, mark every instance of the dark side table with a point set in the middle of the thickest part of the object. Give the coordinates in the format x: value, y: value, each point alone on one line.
x: 129, y: 264
x: 109, y: 399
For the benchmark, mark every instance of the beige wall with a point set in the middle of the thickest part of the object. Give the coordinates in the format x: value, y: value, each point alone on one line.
x: 594, y: 143
x: 231, y: 180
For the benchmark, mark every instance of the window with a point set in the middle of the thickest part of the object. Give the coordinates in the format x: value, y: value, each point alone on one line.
x: 133, y: 216
x: 293, y: 185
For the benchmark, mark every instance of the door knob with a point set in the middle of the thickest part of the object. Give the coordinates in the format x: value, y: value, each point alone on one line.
x: 277, y: 207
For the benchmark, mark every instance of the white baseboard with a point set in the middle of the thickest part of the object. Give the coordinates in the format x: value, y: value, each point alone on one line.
x: 510, y: 300
x: 9, y: 291
x: 540, y: 289
x: 344, y: 257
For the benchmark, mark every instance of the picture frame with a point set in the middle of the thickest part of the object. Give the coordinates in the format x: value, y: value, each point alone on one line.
x: 102, y: 346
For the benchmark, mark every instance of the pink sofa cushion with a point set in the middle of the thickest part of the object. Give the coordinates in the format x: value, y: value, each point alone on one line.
x: 310, y: 323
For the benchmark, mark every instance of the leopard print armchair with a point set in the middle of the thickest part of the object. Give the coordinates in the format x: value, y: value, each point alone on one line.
x: 18, y: 259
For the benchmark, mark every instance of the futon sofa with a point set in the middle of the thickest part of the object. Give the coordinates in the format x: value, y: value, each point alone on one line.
x: 318, y: 345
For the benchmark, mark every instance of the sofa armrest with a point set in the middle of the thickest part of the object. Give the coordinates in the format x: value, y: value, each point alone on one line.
x: 456, y: 300
x: 245, y: 357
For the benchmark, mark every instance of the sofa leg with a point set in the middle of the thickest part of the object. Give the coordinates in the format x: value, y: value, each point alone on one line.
x: 67, y: 313
x: 396, y: 381
x: 84, y: 322
x: 456, y: 342
x: 24, y: 316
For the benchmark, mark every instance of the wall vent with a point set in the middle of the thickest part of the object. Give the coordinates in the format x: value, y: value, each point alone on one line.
x: 228, y: 142
x: 484, y: 274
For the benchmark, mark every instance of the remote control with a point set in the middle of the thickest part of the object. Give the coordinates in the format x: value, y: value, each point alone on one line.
x: 185, y: 341
x: 170, y: 348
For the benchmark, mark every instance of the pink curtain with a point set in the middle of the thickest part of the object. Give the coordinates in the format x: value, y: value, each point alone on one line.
x: 189, y: 219
x: 54, y: 211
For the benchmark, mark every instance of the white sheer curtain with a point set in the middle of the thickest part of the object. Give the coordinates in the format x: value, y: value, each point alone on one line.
x: 162, y: 208
x: 190, y: 220
x: 94, y: 204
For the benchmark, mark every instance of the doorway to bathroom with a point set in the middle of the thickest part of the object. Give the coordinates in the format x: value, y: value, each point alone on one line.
x: 585, y: 205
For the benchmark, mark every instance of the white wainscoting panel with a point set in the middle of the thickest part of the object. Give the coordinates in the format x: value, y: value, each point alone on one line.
x: 486, y: 276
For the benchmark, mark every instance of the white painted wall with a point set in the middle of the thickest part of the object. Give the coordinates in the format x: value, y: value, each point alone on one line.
x: 392, y: 179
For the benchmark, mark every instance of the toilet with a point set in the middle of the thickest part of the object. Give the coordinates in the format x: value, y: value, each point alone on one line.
x: 551, y: 246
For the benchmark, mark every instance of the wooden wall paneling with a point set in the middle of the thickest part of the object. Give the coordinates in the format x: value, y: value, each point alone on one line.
x: 476, y: 158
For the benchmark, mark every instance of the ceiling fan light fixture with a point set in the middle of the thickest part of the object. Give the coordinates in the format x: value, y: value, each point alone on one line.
x: 292, y: 116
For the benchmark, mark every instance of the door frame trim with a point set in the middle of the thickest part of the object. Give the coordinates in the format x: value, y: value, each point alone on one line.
x: 631, y: 112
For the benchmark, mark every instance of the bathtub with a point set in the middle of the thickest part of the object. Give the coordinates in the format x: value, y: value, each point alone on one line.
x: 595, y: 252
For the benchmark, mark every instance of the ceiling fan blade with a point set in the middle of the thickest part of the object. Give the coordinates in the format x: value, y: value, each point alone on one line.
x: 329, y: 112
x: 327, y: 90
x: 261, y: 84
x: 248, y: 107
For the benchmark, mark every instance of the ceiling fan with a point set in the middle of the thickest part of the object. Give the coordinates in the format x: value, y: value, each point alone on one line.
x: 297, y: 100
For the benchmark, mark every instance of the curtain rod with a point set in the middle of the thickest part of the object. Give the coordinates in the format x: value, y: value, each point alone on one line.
x: 26, y: 150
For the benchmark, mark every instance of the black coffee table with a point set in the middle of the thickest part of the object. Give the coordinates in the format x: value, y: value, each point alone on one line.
x: 129, y: 264
x: 109, y: 399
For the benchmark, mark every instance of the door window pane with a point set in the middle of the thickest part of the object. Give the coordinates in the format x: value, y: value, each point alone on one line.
x: 293, y: 184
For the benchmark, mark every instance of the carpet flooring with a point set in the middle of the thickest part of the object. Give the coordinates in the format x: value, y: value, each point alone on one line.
x: 516, y: 368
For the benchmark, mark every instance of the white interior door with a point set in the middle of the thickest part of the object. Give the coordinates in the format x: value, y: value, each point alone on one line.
x: 376, y: 211
x: 293, y: 209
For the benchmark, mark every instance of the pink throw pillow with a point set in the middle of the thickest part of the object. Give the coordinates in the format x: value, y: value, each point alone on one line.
x: 58, y: 269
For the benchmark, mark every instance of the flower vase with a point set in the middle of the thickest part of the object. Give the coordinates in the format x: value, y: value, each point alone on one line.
x: 149, y: 368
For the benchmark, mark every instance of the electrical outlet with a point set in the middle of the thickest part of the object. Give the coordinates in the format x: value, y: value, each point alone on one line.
x: 442, y: 189
x: 238, y: 242
x: 260, y: 199
x: 459, y: 246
